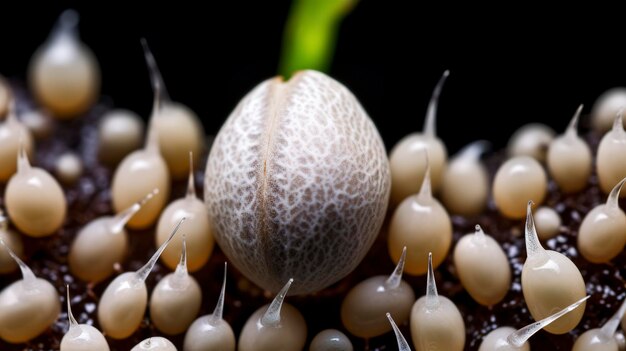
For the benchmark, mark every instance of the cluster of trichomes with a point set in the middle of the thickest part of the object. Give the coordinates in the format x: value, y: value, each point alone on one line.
x: 296, y: 190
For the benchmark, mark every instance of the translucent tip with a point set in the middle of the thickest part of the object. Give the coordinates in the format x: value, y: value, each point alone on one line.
x: 182, y: 264
x: 191, y: 185
x: 70, y: 316
x: 272, y: 315
x: 181, y: 274
x: 432, y: 298
x: 395, y: 278
x: 160, y: 96
x: 426, y: 192
x: 612, y: 200
x: 610, y: 327
x: 572, y: 128
x: 155, y: 74
x: 218, y: 312
x: 519, y: 337
x: 152, y: 139
x: 120, y: 220
x: 479, y: 234
x: 23, y: 164
x: 144, y: 271
x: 533, y: 246
x: 66, y: 25
x: 431, y: 113
x: 69, y: 18
x: 474, y: 150
x: 617, y: 122
x: 402, y: 344
x: 27, y: 275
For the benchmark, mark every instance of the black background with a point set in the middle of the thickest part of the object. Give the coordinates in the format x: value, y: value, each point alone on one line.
x: 508, y: 66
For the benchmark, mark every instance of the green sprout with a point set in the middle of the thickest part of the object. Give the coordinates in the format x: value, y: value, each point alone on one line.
x: 311, y: 33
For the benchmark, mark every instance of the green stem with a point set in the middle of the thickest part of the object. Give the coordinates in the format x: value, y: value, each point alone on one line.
x: 310, y: 34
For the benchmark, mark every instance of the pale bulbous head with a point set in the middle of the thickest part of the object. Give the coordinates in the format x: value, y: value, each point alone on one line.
x: 595, y: 340
x: 331, y: 339
x: 207, y: 334
x: 123, y: 303
x: 102, y: 243
x: 122, y: 306
x: 198, y: 233
x: 483, y: 267
x: 409, y: 166
x: 297, y: 165
x: 531, y: 140
x: 550, y: 281
x: 156, y: 343
x: 436, y: 322
x: 119, y: 133
x: 34, y: 200
x: 465, y: 186
x: 606, y: 106
x: 496, y: 340
x: 441, y: 326
x: 290, y: 333
x: 82, y: 337
x: 12, y: 134
x: 28, y: 309
x: 142, y: 171
x: 422, y: 225
x: 548, y: 222
x: 602, y: 234
x: 63, y: 72
x: 180, y: 132
x: 175, y: 302
x: 275, y: 326
x: 96, y: 249
x: 518, y: 180
x: 610, y: 165
x: 360, y: 310
x: 138, y: 174
x: 211, y: 332
x: 29, y: 306
x: 569, y: 159
x: 364, y: 307
x: 69, y: 168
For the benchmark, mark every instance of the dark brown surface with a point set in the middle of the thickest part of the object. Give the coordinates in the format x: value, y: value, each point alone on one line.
x: 90, y: 198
